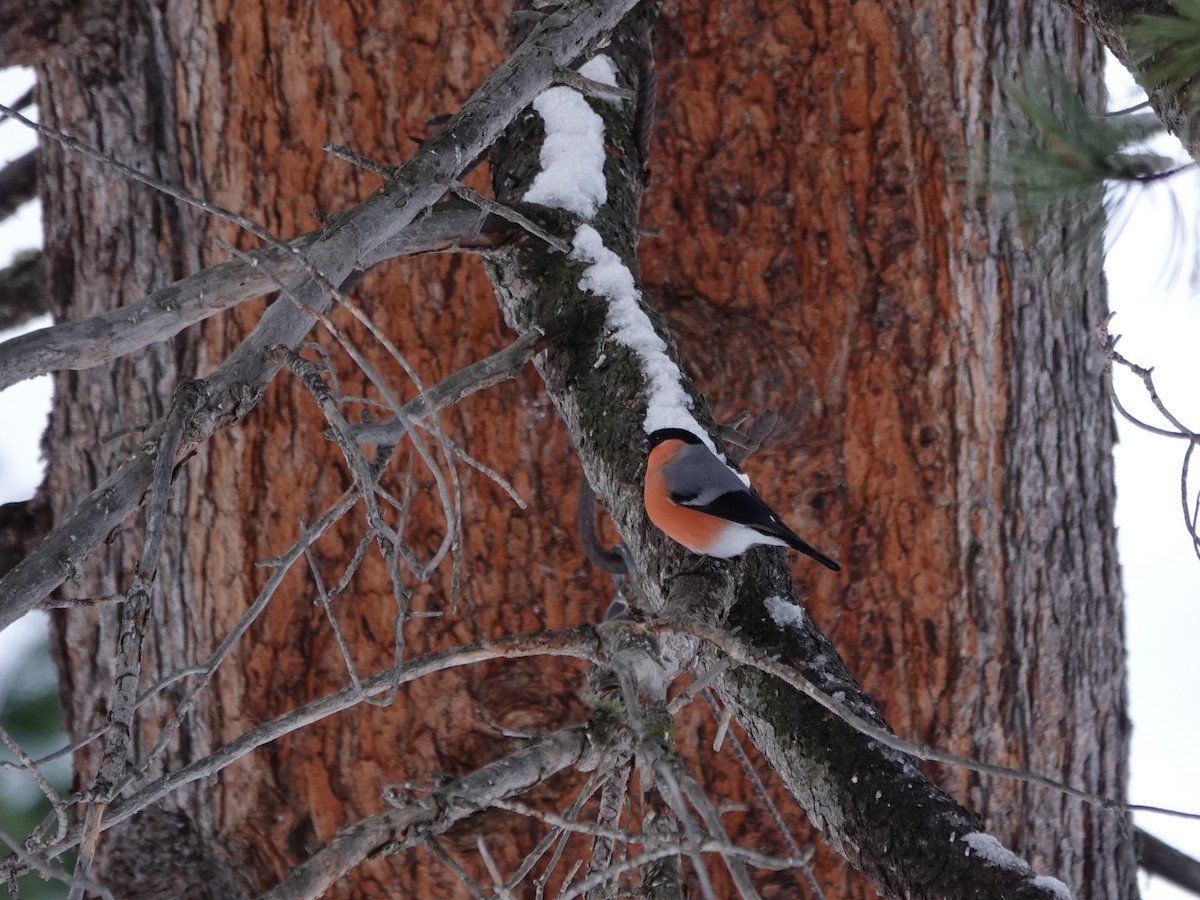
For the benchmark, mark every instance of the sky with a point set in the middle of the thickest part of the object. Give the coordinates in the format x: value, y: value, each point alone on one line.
x: 1153, y: 269
x: 1154, y: 275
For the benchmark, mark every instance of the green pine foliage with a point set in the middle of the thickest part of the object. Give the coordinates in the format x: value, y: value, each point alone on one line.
x: 1053, y: 151
x: 1067, y: 148
x: 1165, y: 51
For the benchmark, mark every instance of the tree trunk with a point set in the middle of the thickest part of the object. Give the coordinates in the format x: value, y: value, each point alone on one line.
x: 944, y: 425
x: 938, y: 377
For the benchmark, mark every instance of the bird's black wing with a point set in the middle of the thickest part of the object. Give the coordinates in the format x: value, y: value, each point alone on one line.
x: 749, y: 509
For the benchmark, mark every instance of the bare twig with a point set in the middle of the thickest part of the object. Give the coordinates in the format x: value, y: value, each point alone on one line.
x: 331, y: 617
x: 56, y: 802
x: 439, y: 853
x: 612, y: 805
x: 487, y: 472
x: 166, y: 312
x: 500, y: 366
x: 758, y: 860
x: 79, y: 602
x: 342, y: 152
x: 559, y: 835
x: 493, y: 870
x: 413, y: 823
x: 739, y: 652
x: 650, y: 755
x: 135, y: 614
x: 1108, y: 345
x: 764, y: 797
x: 699, y: 685
x: 451, y: 499
x: 579, y: 643
x: 31, y: 862
x: 495, y: 208
x: 238, y: 383
x: 589, y: 88
x: 133, y: 174
x: 206, y: 670
x: 616, y: 755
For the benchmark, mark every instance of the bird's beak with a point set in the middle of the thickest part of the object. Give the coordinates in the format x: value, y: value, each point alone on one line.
x: 645, y: 445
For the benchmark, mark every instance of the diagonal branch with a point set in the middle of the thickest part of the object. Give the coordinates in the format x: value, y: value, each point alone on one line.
x: 413, y: 823
x: 238, y: 384
x: 18, y: 183
x: 451, y: 225
x: 577, y: 643
x: 609, y: 384
x: 1159, y: 858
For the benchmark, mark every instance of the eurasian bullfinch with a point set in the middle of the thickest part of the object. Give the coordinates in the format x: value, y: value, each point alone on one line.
x: 698, y: 501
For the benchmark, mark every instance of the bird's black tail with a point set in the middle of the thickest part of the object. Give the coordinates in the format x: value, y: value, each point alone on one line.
x: 794, y: 541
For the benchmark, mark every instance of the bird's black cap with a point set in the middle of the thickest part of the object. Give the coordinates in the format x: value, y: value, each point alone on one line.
x: 669, y: 434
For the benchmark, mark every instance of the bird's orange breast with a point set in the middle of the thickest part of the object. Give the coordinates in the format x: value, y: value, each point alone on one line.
x: 693, y: 529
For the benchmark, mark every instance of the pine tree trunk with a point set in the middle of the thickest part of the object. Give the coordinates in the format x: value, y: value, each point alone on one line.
x: 944, y: 426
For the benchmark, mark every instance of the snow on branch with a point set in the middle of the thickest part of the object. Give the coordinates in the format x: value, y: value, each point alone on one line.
x: 351, y: 238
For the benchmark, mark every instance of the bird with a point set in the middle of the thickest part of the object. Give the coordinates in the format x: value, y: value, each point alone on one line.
x: 698, y: 501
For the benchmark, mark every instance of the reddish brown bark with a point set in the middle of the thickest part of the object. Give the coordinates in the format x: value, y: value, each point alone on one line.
x: 823, y: 227
x: 806, y: 178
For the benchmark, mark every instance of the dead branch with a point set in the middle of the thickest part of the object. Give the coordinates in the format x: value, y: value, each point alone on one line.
x: 500, y: 366
x: 135, y: 613
x: 412, y: 823
x: 238, y: 383
x: 32, y: 864
x: 578, y: 643
x: 1161, y: 859
x: 760, y: 791
x: 1108, y: 345
x: 18, y: 183
x: 166, y: 312
x: 58, y: 808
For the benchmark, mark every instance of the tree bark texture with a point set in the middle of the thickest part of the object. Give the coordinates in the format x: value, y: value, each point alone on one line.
x: 821, y: 254
x: 943, y: 396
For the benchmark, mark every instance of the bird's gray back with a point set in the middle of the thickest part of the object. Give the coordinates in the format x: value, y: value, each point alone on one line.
x: 696, y: 477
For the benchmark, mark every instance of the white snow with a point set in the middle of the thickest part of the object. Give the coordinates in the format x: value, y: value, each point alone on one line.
x: 600, y: 69
x: 1054, y: 886
x: 667, y: 404
x: 993, y: 852
x: 572, y: 178
x: 572, y: 156
x: 784, y: 612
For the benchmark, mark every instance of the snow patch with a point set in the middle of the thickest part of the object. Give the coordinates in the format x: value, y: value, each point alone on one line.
x: 667, y: 404
x: 572, y: 155
x: 994, y: 853
x: 571, y: 177
x: 784, y: 612
x: 600, y: 69
x: 1054, y: 886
